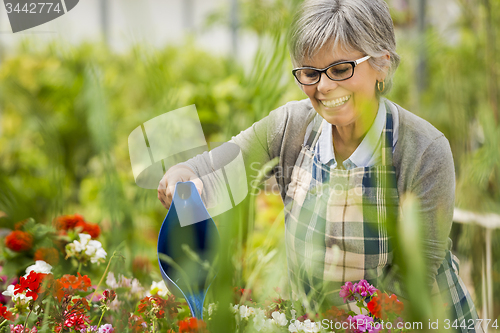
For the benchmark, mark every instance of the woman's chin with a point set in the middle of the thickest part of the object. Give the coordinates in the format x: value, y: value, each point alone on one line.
x: 338, y: 115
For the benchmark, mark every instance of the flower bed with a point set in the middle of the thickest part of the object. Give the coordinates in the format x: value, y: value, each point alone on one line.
x: 42, y: 300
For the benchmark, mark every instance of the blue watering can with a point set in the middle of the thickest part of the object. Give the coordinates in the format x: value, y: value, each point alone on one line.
x: 187, y: 247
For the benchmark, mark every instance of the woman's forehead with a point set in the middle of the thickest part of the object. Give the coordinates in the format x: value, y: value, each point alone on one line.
x: 329, y: 54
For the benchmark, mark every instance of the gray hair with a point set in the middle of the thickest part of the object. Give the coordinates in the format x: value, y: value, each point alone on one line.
x: 362, y: 25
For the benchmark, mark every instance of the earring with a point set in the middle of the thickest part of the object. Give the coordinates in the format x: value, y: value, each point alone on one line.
x: 383, y: 86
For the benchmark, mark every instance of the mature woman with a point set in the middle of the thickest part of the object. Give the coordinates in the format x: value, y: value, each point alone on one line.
x: 346, y: 157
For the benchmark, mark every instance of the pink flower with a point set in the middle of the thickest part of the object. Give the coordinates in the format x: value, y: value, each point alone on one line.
x: 364, y: 288
x: 346, y: 291
x: 107, y: 328
x: 21, y: 329
x: 364, y: 324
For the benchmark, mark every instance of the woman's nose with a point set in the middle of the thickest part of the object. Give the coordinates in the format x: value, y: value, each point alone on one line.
x: 325, y: 84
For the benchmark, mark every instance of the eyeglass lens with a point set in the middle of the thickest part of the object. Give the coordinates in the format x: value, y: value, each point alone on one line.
x: 337, y: 73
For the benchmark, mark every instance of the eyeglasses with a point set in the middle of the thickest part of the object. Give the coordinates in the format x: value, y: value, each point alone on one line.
x: 339, y: 71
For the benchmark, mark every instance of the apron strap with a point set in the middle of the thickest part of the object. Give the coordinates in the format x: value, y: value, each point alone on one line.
x: 316, y: 131
x: 387, y: 135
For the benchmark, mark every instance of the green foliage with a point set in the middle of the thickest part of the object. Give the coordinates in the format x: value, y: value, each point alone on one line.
x: 66, y: 113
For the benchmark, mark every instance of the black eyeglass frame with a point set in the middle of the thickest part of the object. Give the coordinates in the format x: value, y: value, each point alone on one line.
x: 353, y: 63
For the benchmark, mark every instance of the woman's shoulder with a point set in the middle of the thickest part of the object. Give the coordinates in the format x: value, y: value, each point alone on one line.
x: 418, y: 129
x: 421, y: 148
x: 416, y: 135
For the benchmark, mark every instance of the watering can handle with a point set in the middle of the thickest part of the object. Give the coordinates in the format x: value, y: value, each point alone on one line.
x: 177, y: 173
x: 188, y: 204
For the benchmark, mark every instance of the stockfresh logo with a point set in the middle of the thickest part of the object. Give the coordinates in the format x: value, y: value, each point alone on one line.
x: 26, y: 14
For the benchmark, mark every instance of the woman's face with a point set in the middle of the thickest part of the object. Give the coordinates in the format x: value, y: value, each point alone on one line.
x: 342, y: 103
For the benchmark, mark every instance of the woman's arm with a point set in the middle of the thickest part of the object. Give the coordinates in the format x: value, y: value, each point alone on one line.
x: 424, y: 167
x: 434, y: 185
x: 236, y: 162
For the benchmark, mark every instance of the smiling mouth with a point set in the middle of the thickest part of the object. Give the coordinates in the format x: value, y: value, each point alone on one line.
x: 336, y: 102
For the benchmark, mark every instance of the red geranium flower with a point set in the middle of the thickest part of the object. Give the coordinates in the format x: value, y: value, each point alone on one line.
x: 31, y: 284
x: 74, y: 314
x: 336, y: 314
x: 77, y: 321
x: 381, y: 306
x: 89, y: 228
x: 57, y: 289
x: 75, y: 282
x: 108, y: 296
x: 19, y: 225
x: 48, y: 254
x: 19, y: 241
x: 191, y: 325
x: 4, y: 313
x: 137, y: 324
x: 154, y: 305
x: 68, y: 222
x: 158, y: 306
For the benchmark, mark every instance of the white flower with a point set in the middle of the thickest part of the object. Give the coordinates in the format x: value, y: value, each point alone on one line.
x: 293, y: 326
x: 259, y: 321
x: 136, y: 287
x: 78, y: 246
x: 100, y: 254
x: 244, y: 311
x: 211, y: 308
x: 116, y: 304
x: 162, y: 290
x: 84, y: 238
x: 269, y: 325
x: 251, y: 311
x: 279, y: 318
x: 19, y: 298
x: 40, y: 266
x: 92, y: 247
x: 85, y: 249
x: 111, y: 281
x: 310, y: 326
x: 124, y: 282
x: 235, y: 308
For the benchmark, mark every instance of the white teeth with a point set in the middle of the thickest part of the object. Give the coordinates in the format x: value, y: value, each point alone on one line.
x: 336, y: 102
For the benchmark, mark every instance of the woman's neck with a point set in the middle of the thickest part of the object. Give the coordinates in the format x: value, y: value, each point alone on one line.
x: 347, y: 138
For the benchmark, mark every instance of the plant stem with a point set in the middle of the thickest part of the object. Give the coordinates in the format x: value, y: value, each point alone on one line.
x: 3, y: 322
x: 26, y: 321
x: 100, y: 319
x: 103, y: 275
x: 100, y: 281
x: 79, y: 267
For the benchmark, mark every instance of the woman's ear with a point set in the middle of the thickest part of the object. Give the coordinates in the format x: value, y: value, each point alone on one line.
x: 386, y: 58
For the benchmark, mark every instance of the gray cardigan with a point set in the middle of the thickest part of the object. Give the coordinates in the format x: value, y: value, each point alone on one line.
x: 422, y: 158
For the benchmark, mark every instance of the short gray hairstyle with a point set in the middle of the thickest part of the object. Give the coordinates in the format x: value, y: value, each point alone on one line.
x: 362, y: 25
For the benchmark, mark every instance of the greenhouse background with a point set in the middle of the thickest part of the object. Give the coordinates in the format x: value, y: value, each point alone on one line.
x: 73, y: 89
